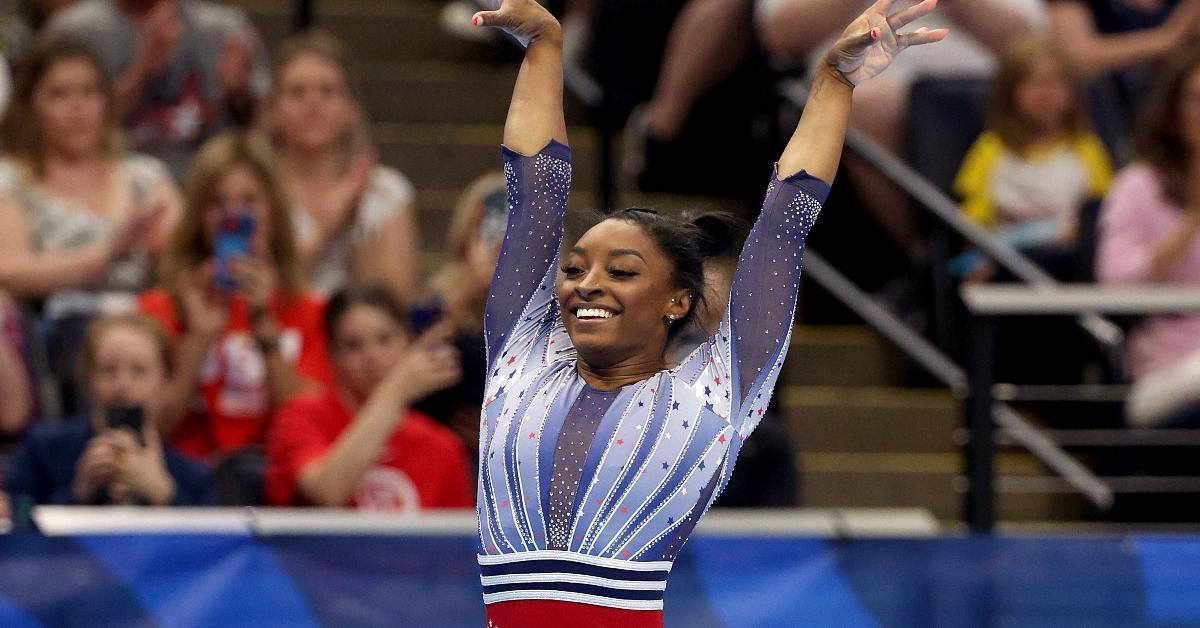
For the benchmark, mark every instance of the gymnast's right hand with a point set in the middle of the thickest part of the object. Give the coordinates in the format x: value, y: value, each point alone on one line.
x: 526, y: 19
x: 872, y: 41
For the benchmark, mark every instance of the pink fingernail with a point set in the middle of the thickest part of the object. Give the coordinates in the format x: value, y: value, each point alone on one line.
x: 476, y: 20
x: 874, y: 33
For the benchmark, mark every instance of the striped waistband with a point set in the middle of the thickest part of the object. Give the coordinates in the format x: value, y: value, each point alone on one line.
x: 570, y: 577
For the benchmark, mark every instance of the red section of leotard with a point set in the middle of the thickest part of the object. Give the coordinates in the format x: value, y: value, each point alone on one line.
x: 554, y: 614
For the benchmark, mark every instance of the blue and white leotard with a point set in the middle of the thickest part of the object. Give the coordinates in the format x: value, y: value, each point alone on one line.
x: 587, y: 495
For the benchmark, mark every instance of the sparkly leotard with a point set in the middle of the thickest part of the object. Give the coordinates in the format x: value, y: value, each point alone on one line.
x: 586, y: 495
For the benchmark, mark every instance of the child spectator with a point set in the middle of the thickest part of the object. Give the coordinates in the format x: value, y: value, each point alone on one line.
x: 360, y: 444
x: 1150, y: 234
x: 92, y: 459
x: 354, y: 217
x: 184, y: 69
x: 76, y: 212
x: 1036, y: 163
x: 249, y: 334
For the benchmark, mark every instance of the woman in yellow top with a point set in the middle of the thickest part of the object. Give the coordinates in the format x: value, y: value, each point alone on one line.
x: 1037, y: 162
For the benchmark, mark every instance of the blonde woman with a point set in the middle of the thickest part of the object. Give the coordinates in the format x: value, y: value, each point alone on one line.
x: 354, y: 217
x: 249, y: 334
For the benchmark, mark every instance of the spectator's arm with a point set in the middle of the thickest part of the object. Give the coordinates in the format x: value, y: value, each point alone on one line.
x: 1128, y: 253
x: 391, y: 256
x: 27, y: 273
x: 16, y: 398
x: 1074, y: 28
x: 794, y: 28
x: 429, y: 366
x: 993, y: 23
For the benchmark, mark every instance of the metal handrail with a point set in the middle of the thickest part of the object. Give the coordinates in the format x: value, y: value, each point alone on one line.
x: 938, y: 203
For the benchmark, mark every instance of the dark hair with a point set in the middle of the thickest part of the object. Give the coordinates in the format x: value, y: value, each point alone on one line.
x: 372, y: 295
x: 686, y: 241
x: 1159, y: 141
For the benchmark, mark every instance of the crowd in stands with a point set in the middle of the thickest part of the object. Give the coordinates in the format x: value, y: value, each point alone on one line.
x: 208, y: 274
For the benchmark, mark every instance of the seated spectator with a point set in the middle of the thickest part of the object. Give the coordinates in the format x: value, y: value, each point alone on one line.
x: 713, y: 37
x: 1106, y: 35
x: 81, y: 220
x: 249, y: 334
x: 459, y: 294
x: 1036, y: 163
x: 354, y: 217
x: 114, y: 455
x: 1120, y: 44
x: 360, y: 444
x: 16, y: 391
x: 1150, y: 234
x: 184, y: 70
x: 76, y: 213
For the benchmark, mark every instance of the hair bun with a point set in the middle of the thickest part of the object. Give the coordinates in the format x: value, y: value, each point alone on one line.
x: 720, y: 232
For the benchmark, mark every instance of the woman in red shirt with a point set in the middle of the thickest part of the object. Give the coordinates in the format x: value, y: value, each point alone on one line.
x: 248, y: 334
x: 361, y: 444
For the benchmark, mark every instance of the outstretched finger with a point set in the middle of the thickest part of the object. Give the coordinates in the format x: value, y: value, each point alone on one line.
x: 914, y: 12
x: 490, y: 18
x: 922, y: 36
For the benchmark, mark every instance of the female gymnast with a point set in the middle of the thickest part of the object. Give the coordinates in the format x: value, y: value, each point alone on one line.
x: 596, y: 457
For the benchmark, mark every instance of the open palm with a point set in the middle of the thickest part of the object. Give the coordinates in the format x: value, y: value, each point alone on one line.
x: 870, y: 43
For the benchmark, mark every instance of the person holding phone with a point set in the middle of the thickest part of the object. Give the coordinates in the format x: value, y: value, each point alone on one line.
x: 360, y: 443
x: 114, y: 454
x: 355, y: 218
x: 249, y: 333
x: 459, y: 292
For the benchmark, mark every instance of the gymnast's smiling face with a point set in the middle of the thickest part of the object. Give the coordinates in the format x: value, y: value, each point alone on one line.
x: 617, y: 294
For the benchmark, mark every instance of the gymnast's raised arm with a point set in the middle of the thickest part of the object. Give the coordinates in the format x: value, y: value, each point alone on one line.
x: 763, y: 297
x: 537, y: 166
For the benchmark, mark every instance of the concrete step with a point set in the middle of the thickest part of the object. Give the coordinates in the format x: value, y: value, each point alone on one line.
x: 842, y: 480
x: 387, y: 29
x: 841, y: 356
x: 869, y: 419
x: 449, y: 156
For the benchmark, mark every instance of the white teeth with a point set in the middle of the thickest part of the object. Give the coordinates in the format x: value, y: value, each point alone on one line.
x: 592, y: 312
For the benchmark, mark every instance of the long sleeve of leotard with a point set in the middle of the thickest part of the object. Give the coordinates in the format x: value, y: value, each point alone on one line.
x: 522, y: 292
x: 762, y: 300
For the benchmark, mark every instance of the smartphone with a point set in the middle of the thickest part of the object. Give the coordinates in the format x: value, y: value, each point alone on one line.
x: 127, y: 417
x: 424, y: 316
x: 495, y: 216
x: 234, y: 232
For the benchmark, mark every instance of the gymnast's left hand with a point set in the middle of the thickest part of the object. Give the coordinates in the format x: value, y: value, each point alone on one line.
x: 868, y: 46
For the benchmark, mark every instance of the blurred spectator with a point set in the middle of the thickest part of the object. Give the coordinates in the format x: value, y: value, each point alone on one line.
x: 1119, y: 44
x: 76, y: 212
x: 249, y: 334
x: 81, y: 220
x: 982, y: 30
x: 460, y: 292
x: 1150, y: 234
x: 360, y: 444
x: 1104, y: 35
x: 16, y: 391
x: 115, y: 454
x: 355, y: 218
x: 1036, y: 163
x: 183, y: 69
